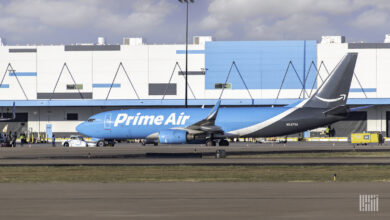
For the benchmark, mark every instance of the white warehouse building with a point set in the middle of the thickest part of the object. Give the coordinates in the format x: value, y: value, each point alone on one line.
x: 57, y: 87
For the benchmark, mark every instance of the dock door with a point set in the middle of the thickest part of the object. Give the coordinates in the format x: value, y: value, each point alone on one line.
x: 387, y: 124
x: 355, y: 123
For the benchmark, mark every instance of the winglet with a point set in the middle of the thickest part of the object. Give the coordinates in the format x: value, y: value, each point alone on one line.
x: 207, y: 125
x: 13, y: 112
x: 214, y: 111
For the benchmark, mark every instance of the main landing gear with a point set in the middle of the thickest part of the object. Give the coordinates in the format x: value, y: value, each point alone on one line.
x: 223, y: 143
x: 104, y: 143
x: 211, y: 143
x: 144, y: 142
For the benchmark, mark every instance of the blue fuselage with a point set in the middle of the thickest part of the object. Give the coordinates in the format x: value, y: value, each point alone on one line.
x: 140, y: 123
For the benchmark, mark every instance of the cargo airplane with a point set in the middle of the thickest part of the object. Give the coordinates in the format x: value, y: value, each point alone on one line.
x: 185, y: 125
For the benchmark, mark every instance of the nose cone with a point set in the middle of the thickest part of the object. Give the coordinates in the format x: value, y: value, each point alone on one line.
x: 81, y: 128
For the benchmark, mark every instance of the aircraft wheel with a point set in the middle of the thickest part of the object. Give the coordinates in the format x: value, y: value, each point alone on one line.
x: 155, y: 143
x: 100, y: 144
x: 210, y: 143
x: 223, y: 143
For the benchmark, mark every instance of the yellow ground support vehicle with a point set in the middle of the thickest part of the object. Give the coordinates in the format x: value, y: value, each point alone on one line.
x: 366, y: 138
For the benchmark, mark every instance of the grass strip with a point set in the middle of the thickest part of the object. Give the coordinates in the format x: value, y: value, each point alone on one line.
x: 316, y: 155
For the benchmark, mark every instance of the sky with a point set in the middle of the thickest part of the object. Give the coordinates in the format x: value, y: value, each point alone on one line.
x: 163, y: 21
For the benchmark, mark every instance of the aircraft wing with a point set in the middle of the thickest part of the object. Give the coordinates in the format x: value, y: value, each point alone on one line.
x: 207, y: 125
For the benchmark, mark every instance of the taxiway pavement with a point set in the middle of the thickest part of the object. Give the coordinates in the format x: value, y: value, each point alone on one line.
x: 138, y: 155
x: 191, y: 201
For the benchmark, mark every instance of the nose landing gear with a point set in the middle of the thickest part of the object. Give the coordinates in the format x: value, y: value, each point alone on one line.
x: 211, y: 143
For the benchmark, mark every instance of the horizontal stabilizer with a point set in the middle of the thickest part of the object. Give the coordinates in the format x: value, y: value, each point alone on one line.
x: 338, y: 110
x: 360, y: 108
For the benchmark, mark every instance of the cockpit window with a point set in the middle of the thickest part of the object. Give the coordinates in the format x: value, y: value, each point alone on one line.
x: 91, y: 120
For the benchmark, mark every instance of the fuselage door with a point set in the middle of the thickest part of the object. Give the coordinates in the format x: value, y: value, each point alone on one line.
x: 107, y: 121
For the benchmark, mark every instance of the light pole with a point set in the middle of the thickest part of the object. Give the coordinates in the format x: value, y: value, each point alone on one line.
x: 186, y: 84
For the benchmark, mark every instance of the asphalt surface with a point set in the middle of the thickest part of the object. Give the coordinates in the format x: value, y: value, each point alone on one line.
x: 294, y: 200
x: 138, y: 155
x: 191, y: 201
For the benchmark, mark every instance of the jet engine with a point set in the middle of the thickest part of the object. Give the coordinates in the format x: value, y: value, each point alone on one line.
x: 172, y: 136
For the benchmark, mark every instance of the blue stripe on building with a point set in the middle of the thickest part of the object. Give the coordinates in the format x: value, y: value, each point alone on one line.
x: 360, y: 90
x: 23, y: 73
x: 106, y: 85
x: 261, y: 63
x: 190, y: 51
x: 4, y: 86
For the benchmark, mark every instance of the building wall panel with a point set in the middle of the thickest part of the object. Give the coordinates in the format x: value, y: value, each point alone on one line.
x: 262, y: 64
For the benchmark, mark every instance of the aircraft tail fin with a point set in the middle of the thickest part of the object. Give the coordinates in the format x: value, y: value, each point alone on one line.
x: 334, y: 91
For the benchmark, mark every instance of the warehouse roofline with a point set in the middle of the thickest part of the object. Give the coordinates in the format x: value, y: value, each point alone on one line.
x: 175, y: 102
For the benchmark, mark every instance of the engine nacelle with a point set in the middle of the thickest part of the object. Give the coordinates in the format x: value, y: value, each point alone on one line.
x: 172, y: 136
